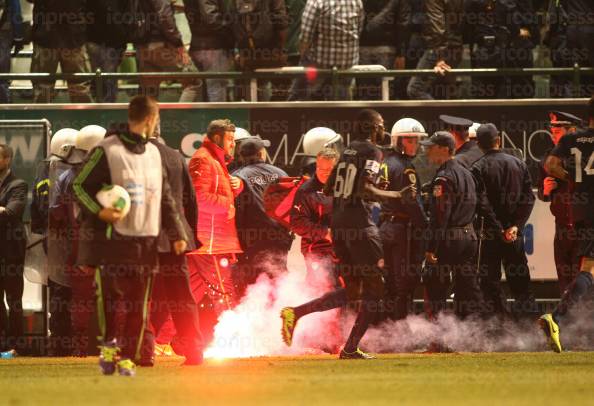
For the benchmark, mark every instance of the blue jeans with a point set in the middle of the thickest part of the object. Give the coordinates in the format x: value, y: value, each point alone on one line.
x: 214, y: 60
x: 107, y: 59
x: 5, y: 49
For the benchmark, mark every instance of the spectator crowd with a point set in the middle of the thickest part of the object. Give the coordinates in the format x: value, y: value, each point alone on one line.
x: 83, y: 36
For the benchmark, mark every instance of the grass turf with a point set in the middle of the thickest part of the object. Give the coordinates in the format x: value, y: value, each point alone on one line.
x: 503, y: 378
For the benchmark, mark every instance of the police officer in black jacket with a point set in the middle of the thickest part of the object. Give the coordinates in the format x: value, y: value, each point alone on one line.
x: 467, y: 150
x: 452, y: 246
x: 558, y: 192
x: 504, y: 181
x: 310, y: 219
x: 13, y: 240
x: 403, y: 221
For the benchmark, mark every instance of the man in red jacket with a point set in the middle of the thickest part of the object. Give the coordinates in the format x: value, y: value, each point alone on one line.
x: 210, y: 271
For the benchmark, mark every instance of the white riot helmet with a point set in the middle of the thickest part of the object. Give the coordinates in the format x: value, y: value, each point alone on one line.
x: 63, y: 141
x: 406, y: 127
x: 241, y: 134
x: 88, y: 137
x: 318, y: 138
x: 472, y: 130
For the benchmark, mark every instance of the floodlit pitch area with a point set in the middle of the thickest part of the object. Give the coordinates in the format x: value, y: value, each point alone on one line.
x: 444, y: 379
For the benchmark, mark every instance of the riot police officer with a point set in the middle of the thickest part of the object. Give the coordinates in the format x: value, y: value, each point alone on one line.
x: 58, y: 243
x: 314, y: 141
x: 452, y: 246
x: 403, y: 221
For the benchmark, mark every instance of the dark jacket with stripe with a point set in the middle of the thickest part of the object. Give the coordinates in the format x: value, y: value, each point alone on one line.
x: 95, y: 247
x: 13, y: 197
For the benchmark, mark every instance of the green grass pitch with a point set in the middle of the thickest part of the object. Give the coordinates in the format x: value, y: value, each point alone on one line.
x: 407, y: 379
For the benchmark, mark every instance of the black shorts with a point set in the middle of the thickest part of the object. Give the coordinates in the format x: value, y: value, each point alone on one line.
x: 360, y: 261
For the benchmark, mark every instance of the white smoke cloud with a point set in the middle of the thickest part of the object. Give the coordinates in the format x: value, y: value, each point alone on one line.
x: 476, y: 335
x: 471, y: 335
x: 253, y: 328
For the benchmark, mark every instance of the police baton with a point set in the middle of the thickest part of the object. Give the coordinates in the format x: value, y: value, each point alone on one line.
x: 480, y: 244
x: 408, y: 247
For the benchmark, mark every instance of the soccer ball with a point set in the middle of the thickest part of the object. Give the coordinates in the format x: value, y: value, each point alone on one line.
x: 114, y: 197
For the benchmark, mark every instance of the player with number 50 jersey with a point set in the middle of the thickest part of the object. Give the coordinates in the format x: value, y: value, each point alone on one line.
x: 355, y: 237
x: 359, y: 163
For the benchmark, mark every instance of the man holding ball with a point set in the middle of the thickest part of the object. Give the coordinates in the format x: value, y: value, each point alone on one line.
x: 123, y: 246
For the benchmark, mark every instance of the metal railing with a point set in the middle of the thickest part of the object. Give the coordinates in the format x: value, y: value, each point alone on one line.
x: 252, y: 77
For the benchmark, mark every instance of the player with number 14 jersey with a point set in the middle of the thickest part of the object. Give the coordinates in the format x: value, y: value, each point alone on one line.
x: 577, y: 153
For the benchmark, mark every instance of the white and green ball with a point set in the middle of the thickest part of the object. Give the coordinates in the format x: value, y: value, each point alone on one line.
x: 114, y: 197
